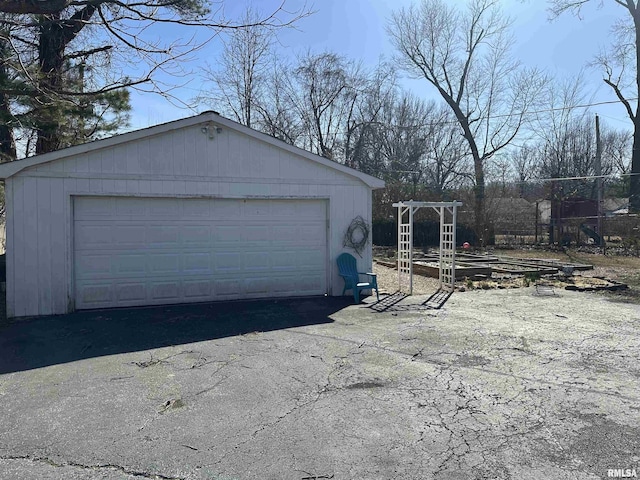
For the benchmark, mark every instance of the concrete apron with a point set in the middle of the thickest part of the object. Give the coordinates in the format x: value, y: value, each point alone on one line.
x: 498, y: 384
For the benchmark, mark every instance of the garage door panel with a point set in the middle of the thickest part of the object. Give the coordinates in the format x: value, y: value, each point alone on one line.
x: 127, y: 264
x: 283, y: 209
x: 163, y: 235
x: 146, y: 251
x: 283, y: 261
x: 163, y: 263
x: 165, y: 291
x: 194, y: 235
x: 257, y: 261
x: 256, y: 208
x: 128, y: 207
x: 196, y: 263
x: 93, y: 207
x: 165, y: 208
x: 130, y: 235
x: 254, y: 286
x: 310, y: 283
x: 311, y: 233
x: 310, y: 210
x: 285, y: 286
x: 131, y: 292
x: 197, y: 289
x: 197, y: 207
x: 96, y: 294
x: 259, y: 233
x: 226, y: 233
x: 285, y: 232
x: 225, y: 209
x: 309, y: 260
x: 226, y: 263
x: 93, y: 236
x: 228, y: 287
x: 94, y: 266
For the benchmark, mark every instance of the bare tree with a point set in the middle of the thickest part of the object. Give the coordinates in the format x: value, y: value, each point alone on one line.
x: 620, y: 64
x: 404, y: 138
x: 566, y: 145
x: 326, y: 89
x: 240, y: 75
x: 616, y: 146
x: 277, y: 113
x: 465, y: 56
x: 365, y: 125
x: 446, y: 164
x: 526, y: 166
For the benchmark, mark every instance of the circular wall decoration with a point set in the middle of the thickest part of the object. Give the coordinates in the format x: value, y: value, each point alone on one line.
x: 357, y: 235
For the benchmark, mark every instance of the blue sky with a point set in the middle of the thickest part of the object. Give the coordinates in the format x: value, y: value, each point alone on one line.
x: 356, y: 29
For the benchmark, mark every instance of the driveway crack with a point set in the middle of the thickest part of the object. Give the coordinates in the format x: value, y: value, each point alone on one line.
x: 103, y: 466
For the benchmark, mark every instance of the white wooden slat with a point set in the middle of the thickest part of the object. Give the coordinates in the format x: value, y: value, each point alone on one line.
x: 108, y: 186
x: 133, y: 187
x: 120, y: 159
x: 44, y: 253
x: 108, y: 162
x: 119, y: 186
x: 144, y: 156
x: 161, y: 153
x: 81, y: 164
x: 95, y: 162
x: 130, y: 151
x: 30, y: 261
x: 10, y: 245
x: 189, y: 153
x: 59, y: 218
x: 178, y: 152
x: 95, y: 185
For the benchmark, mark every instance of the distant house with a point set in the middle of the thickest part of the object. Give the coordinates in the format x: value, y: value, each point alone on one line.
x: 616, y: 206
x: 195, y: 210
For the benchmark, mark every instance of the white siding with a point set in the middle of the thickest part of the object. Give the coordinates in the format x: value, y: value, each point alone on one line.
x: 183, y: 163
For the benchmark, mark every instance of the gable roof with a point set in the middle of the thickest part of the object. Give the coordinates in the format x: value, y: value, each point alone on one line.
x: 12, y: 168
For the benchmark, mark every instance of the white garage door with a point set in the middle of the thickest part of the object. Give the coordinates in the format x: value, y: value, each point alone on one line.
x: 153, y: 251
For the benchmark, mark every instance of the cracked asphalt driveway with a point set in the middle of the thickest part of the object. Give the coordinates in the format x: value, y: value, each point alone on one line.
x: 498, y: 384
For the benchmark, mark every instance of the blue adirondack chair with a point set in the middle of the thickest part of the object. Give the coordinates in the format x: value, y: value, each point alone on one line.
x: 348, y: 269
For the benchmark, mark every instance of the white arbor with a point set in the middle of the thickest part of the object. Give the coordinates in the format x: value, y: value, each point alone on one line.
x: 447, y: 259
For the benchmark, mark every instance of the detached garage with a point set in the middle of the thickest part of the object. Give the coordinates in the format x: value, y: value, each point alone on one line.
x: 201, y: 209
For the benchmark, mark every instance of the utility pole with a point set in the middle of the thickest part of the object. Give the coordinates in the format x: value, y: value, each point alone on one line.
x: 599, y: 183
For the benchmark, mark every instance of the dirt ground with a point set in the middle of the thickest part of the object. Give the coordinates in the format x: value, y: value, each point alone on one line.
x: 619, y: 268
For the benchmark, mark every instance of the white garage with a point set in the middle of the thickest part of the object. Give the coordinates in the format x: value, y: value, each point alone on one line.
x: 201, y: 209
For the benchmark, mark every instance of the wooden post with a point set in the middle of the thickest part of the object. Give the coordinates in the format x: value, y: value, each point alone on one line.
x: 599, y: 184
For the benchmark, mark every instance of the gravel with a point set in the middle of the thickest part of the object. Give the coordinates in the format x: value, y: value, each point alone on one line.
x: 388, y: 281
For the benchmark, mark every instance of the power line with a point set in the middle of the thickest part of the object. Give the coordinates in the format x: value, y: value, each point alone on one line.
x: 505, y: 115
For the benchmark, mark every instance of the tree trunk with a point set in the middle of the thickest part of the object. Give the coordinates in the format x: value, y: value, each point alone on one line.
x: 50, y: 55
x: 7, y: 141
x: 634, y: 184
x: 54, y: 36
x: 33, y: 6
x: 481, y: 226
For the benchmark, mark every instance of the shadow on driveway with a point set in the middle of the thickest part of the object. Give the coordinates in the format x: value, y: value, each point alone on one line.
x: 45, y: 341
